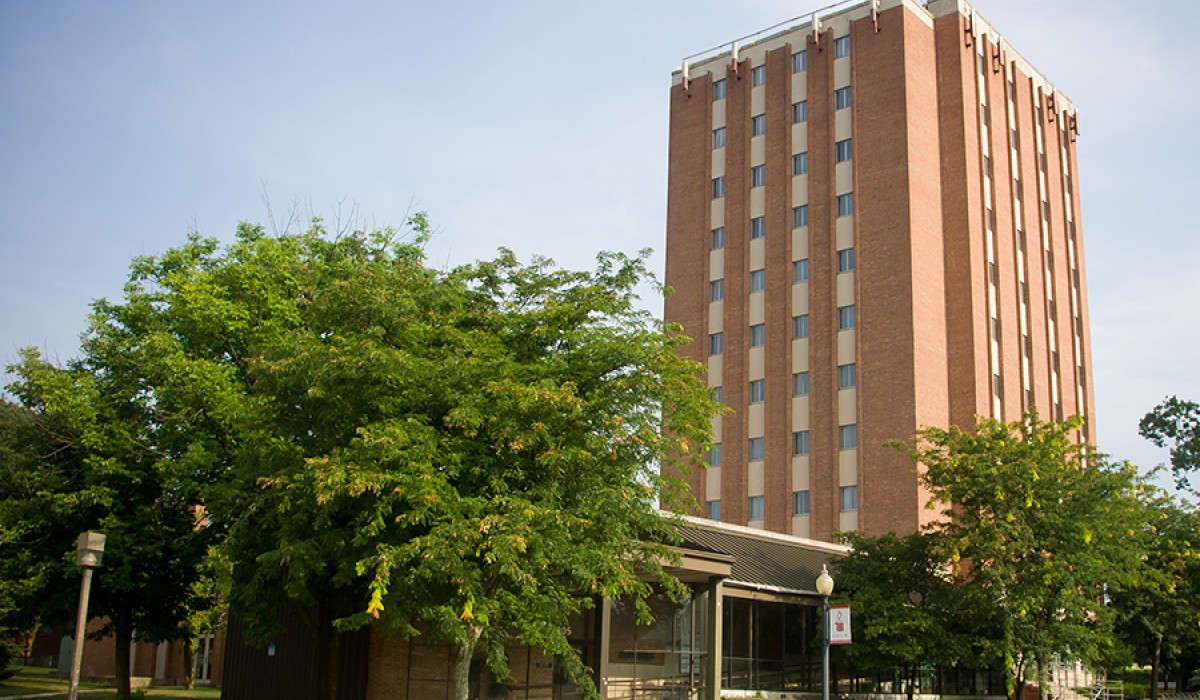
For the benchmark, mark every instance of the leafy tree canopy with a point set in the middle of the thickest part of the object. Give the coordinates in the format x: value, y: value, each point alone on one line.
x: 1040, y: 526
x: 1175, y: 423
x: 472, y: 454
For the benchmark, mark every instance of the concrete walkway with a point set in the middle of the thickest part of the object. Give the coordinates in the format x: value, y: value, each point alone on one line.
x: 81, y: 691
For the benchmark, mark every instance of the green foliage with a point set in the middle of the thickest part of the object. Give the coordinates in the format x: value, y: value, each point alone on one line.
x: 472, y: 454
x: 1177, y: 422
x: 1040, y: 527
x: 907, y: 610
x: 1159, y: 607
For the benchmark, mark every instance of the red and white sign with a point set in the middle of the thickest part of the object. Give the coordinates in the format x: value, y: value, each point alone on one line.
x: 839, y: 624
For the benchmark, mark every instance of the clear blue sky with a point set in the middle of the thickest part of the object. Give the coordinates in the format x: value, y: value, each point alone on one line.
x: 541, y: 126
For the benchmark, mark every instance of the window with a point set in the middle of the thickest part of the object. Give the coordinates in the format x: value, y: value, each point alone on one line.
x: 758, y: 176
x: 799, y: 271
x: 800, y: 503
x: 758, y: 391
x: 846, y: 318
x: 718, y: 238
x: 841, y: 47
x: 842, y: 98
x: 799, y: 327
x: 756, y: 449
x: 718, y: 394
x: 800, y: 112
x: 800, y: 216
x: 718, y: 89
x: 847, y: 376
x: 758, y: 75
x: 758, y: 281
x: 719, y: 138
x: 716, y: 290
x: 800, y: 443
x: 849, y: 498
x: 716, y: 343
x: 845, y: 260
x: 845, y: 150
x: 712, y: 510
x: 848, y: 437
x: 800, y: 164
x: 718, y: 187
x: 758, y: 227
x: 758, y: 125
x: 800, y: 384
x: 756, y: 508
x: 799, y: 61
x: 714, y: 456
x: 845, y: 204
x: 758, y: 335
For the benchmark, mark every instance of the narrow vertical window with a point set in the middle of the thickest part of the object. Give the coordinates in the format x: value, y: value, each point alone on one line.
x: 758, y: 125
x: 849, y: 498
x: 716, y: 290
x: 718, y: 138
x: 713, y: 510
x: 758, y: 176
x: 800, y: 443
x: 758, y: 75
x: 758, y: 335
x: 800, y: 164
x: 758, y: 227
x: 800, y: 327
x: 714, y: 456
x: 756, y: 508
x: 844, y: 150
x: 799, y: 61
x: 800, y: 271
x: 757, y: 449
x: 718, y: 238
x: 841, y: 47
x: 800, y: 216
x: 758, y: 391
x: 842, y: 98
x: 845, y: 258
x: 800, y: 112
x: 847, y: 376
x: 801, y: 504
x: 800, y: 384
x: 846, y: 317
x: 758, y: 281
x: 716, y: 343
x: 718, y: 90
x: 848, y: 437
x: 718, y: 187
x: 845, y: 204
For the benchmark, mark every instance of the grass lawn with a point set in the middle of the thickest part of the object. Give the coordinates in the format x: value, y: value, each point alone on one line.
x: 33, y: 681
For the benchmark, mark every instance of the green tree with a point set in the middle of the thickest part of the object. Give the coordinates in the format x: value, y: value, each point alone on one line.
x: 471, y: 454
x: 82, y: 454
x: 907, y: 610
x: 1175, y: 422
x: 1035, y: 525
x: 1159, y: 607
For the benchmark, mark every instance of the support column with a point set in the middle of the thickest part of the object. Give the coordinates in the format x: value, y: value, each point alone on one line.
x: 715, y: 634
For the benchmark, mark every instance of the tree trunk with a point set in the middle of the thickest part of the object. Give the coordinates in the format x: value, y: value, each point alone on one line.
x: 328, y: 655
x: 462, y: 662
x: 189, y: 661
x: 123, y: 638
x: 1154, y: 667
x: 1040, y: 666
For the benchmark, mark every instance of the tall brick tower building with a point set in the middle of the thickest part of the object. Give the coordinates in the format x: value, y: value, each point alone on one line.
x: 873, y: 226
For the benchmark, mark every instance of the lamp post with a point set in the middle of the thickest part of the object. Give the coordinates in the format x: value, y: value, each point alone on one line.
x: 825, y: 588
x: 89, y: 554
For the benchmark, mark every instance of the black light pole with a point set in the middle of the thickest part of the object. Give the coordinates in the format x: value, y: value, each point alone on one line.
x: 88, y: 555
x: 825, y: 588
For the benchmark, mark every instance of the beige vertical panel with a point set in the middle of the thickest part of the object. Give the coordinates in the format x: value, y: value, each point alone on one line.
x: 799, y: 299
x: 844, y: 176
x: 800, y: 355
x: 848, y: 521
x: 754, y: 484
x: 847, y: 406
x: 800, y: 418
x: 845, y: 288
x: 799, y: 190
x: 716, y: 316
x: 848, y: 468
x: 845, y: 347
x: 716, y: 264
x: 712, y: 491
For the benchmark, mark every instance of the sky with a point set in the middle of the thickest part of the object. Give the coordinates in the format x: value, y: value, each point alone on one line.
x: 540, y: 126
